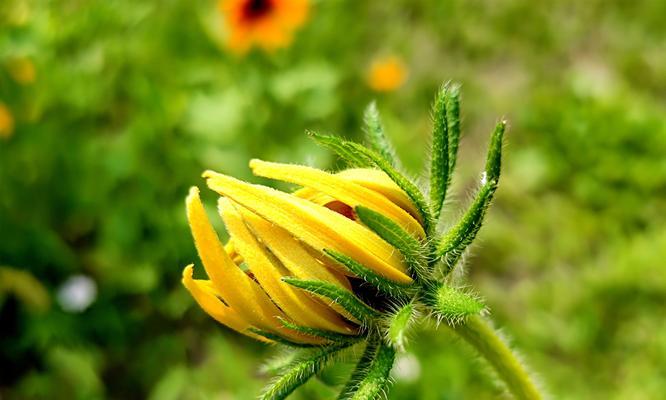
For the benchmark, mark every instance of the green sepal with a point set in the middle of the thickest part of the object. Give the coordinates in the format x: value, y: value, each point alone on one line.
x: 494, y: 158
x: 320, y: 333
x: 399, y: 324
x: 361, y: 368
x: 279, y: 339
x: 453, y: 119
x: 454, y: 305
x: 375, y: 135
x: 351, y: 156
x: 364, y: 157
x: 352, y: 304
x: 455, y: 241
x: 384, y: 285
x: 394, y: 235
x: 376, y: 380
x: 300, y: 370
x: 439, y: 166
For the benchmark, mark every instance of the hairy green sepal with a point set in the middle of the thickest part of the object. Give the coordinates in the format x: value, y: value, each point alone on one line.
x: 352, y: 304
x: 384, y: 285
x: 300, y: 370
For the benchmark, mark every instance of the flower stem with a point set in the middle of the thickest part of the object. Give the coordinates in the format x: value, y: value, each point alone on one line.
x: 478, y: 332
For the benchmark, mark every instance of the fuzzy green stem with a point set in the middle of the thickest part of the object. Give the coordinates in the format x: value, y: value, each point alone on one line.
x: 477, y: 332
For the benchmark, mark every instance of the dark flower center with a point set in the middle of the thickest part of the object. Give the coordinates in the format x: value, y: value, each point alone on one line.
x: 256, y: 9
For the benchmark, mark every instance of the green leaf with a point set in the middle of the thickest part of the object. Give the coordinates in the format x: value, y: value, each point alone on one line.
x: 376, y: 381
x: 454, y: 243
x: 319, y: 333
x: 375, y: 134
x: 361, y: 368
x: 399, y: 324
x: 456, y: 240
x: 364, y: 157
x: 453, y: 118
x: 384, y: 285
x: 394, y: 235
x: 302, y: 369
x: 494, y: 158
x: 279, y: 339
x: 352, y: 304
x: 454, y: 305
x: 439, y: 167
x: 338, y: 146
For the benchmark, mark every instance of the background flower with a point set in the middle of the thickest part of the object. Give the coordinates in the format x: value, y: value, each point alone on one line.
x: 268, y: 24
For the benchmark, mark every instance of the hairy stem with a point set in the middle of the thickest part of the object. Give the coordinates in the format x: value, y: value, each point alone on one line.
x: 477, y: 332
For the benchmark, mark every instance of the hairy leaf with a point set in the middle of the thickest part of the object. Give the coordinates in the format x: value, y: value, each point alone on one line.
x: 375, y: 134
x: 376, y: 380
x: 439, y: 166
x: 384, y: 285
x: 352, y: 304
x: 319, y: 333
x: 302, y: 369
x: 394, y: 235
x: 399, y: 324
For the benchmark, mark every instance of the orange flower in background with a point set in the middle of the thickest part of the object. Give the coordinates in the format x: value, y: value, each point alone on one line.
x: 269, y: 24
x: 22, y: 70
x: 387, y: 74
x: 6, y: 122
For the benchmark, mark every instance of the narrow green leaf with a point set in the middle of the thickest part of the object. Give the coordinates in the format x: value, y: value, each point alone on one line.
x: 394, y: 235
x: 456, y: 240
x: 399, y: 324
x: 439, y: 166
x: 279, y: 339
x: 339, y: 146
x: 364, y: 157
x: 454, y: 305
x: 375, y: 134
x: 494, y: 158
x: 453, y: 118
x: 319, y: 333
x: 361, y: 368
x: 376, y: 381
x: 278, y: 363
x: 352, y: 304
x: 384, y: 285
x: 302, y: 369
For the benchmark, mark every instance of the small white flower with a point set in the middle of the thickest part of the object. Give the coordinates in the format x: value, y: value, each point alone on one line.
x: 77, y: 293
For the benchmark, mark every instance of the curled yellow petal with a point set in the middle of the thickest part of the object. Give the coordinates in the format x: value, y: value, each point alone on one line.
x: 315, y: 225
x: 339, y: 188
x: 215, y: 308
x: 299, y: 306
x: 235, y: 287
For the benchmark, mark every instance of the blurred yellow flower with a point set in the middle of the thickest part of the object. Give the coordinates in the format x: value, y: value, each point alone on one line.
x: 387, y: 74
x: 22, y: 70
x: 268, y: 24
x: 274, y: 234
x: 6, y: 122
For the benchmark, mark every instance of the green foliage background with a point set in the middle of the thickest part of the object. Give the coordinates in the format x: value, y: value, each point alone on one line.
x: 133, y: 99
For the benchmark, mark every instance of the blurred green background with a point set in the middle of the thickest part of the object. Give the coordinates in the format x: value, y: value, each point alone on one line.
x: 118, y: 105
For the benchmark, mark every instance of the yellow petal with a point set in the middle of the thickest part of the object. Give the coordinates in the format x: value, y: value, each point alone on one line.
x: 215, y: 308
x: 381, y: 183
x: 315, y: 225
x: 290, y: 252
x: 339, y: 188
x: 235, y: 287
x: 297, y: 304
